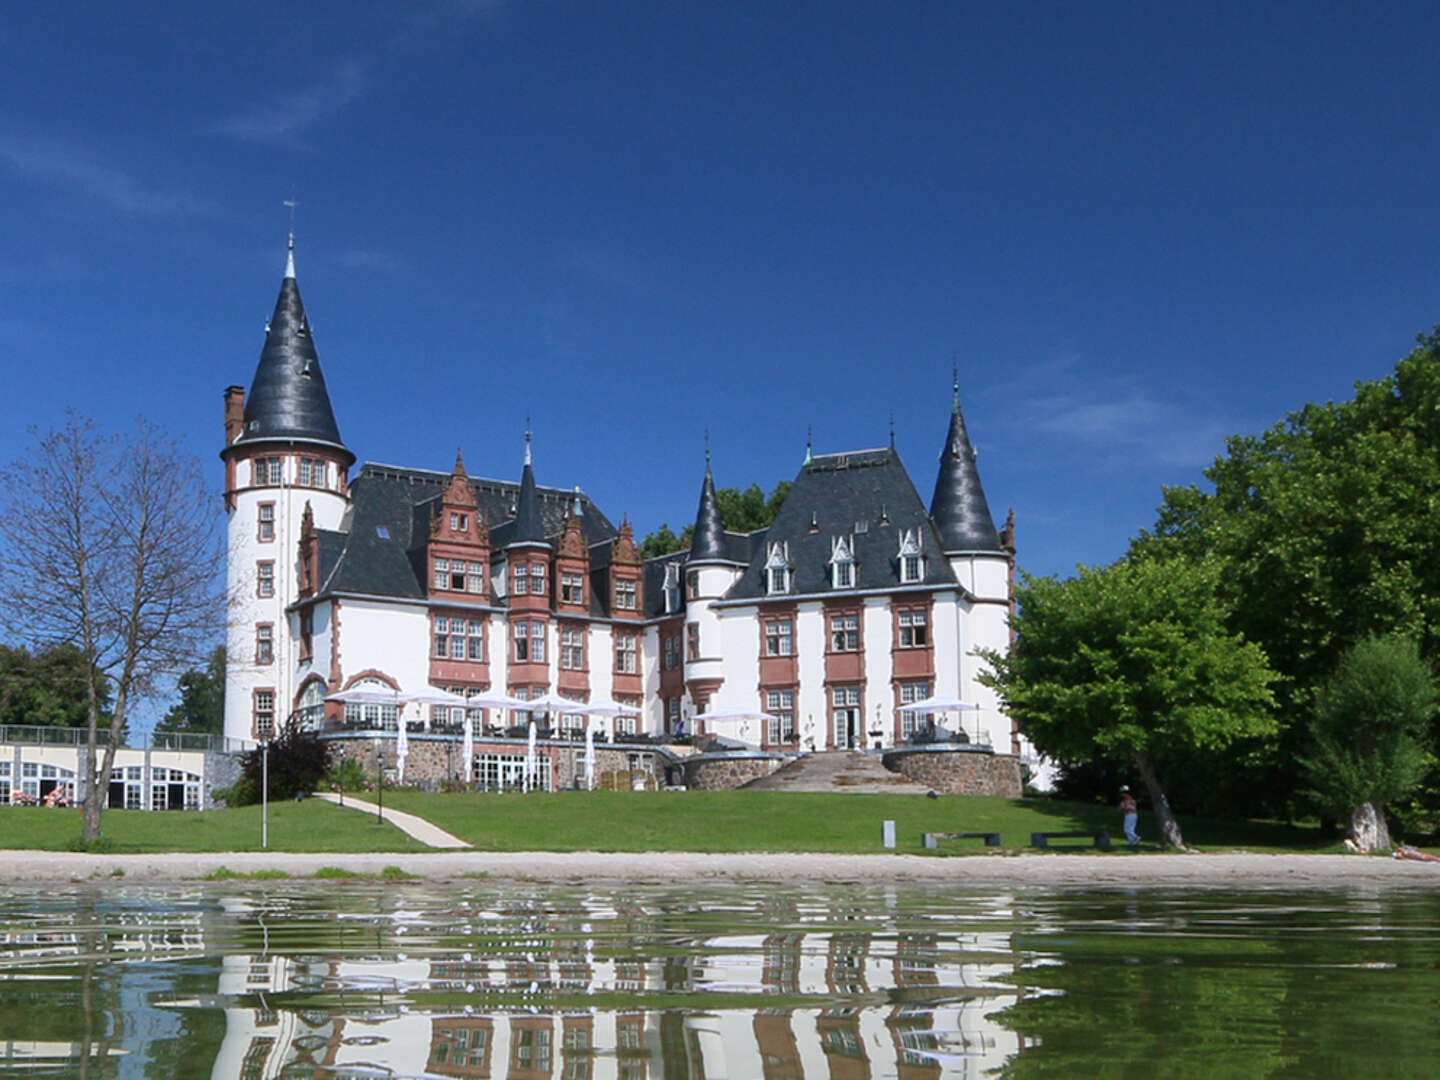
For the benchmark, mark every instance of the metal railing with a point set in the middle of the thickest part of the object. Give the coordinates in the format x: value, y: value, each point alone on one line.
x: 32, y: 735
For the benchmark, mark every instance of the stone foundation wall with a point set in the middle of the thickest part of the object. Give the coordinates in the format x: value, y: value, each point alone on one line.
x: 726, y: 773
x: 959, y: 772
x: 435, y: 761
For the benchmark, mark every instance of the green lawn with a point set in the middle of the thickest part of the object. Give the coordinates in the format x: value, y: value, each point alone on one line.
x: 792, y: 821
x: 705, y: 821
x: 313, y: 826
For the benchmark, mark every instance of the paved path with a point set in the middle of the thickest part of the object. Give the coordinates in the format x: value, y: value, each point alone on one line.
x: 417, y: 827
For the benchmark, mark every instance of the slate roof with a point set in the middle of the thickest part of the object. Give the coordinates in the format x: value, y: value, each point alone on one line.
x: 287, y: 398
x: 380, y: 549
x: 708, y: 541
x: 958, y: 506
x: 865, y: 496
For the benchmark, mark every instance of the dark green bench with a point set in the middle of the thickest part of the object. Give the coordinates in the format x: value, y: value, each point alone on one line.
x: 931, y: 840
x: 1042, y: 839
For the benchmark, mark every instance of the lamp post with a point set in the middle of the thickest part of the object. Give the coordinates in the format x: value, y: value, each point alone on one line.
x: 264, y: 794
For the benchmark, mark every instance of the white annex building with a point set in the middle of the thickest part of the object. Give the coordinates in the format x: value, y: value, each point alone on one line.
x: 855, y: 601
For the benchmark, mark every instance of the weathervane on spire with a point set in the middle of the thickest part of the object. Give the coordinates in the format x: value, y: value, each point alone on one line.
x: 809, y: 442
x: 290, y: 248
x: 527, y: 438
x: 707, y: 448
x: 892, y: 429
x: 955, y: 380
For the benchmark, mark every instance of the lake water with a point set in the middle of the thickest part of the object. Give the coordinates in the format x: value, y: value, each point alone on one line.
x: 348, y: 979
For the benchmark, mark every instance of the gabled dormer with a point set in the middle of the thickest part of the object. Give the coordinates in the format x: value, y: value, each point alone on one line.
x: 457, y: 549
x: 779, y: 570
x: 911, y: 556
x: 842, y: 562
x: 627, y: 600
x: 572, y: 564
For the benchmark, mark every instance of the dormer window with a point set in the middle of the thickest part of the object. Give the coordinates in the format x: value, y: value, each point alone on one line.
x: 520, y: 579
x: 912, y: 559
x: 459, y: 522
x: 777, y: 569
x: 842, y: 563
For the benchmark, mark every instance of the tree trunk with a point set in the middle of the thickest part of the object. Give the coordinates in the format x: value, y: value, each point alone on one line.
x: 1169, y: 827
x: 1368, y: 829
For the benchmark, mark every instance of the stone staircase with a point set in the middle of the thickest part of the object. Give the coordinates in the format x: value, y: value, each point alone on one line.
x: 837, y: 770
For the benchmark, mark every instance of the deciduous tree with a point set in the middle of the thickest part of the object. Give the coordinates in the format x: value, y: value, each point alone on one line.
x: 1133, y: 660
x: 111, y: 547
x: 1371, y: 723
x: 201, y: 707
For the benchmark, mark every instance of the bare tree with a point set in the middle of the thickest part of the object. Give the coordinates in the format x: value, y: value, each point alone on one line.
x: 111, y: 545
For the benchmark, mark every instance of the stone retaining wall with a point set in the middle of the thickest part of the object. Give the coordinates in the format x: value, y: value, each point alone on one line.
x: 727, y: 773
x: 959, y: 771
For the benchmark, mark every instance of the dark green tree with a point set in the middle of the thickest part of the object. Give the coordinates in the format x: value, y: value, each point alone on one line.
x: 46, y: 688
x: 201, y: 707
x: 1325, y: 525
x: 1133, y: 662
x: 1369, y: 733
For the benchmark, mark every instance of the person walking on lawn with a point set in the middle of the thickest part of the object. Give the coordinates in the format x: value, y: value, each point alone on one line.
x: 1130, y: 814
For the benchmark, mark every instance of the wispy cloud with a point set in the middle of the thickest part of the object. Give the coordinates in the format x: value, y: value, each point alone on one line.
x: 1113, y: 418
x: 285, y: 114
x: 49, y: 160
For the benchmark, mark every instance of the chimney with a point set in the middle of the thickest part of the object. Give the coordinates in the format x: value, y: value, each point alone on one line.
x: 234, y: 413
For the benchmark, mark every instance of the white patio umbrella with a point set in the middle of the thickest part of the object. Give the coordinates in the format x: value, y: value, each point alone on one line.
x: 493, y: 699
x: 402, y: 747
x: 939, y: 704
x: 365, y: 695
x: 606, y: 707
x: 738, y: 715
x: 467, y: 748
x: 530, y: 760
x: 589, y: 757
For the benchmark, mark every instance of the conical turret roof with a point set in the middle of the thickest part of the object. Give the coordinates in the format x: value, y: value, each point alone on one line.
x: 287, y: 398
x: 958, y: 507
x: 529, y: 527
x: 709, y: 539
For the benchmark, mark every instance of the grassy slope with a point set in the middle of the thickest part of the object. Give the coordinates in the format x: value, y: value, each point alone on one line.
x: 716, y: 821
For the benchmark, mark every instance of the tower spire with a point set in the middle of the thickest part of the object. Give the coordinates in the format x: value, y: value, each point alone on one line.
x: 958, y: 507
x: 708, y: 541
x: 529, y: 526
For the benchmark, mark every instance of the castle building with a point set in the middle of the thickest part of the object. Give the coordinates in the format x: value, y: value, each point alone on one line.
x: 855, y: 601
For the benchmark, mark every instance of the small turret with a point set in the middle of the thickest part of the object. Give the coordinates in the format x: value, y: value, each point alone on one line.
x: 709, y: 539
x: 529, y: 527
x: 958, y: 507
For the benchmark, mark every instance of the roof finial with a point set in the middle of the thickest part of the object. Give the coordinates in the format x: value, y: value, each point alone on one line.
x: 892, y: 429
x: 955, y: 381
x: 527, y: 438
x: 809, y: 442
x: 290, y: 249
x: 707, y: 450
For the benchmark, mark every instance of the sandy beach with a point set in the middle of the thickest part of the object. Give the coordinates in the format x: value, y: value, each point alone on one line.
x: 1229, y: 870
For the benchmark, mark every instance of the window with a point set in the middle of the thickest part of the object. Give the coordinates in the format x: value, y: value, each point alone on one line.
x: 530, y: 642
x: 520, y: 579
x: 441, y: 576
x: 572, y: 648
x: 844, y: 574
x: 265, y: 472
x: 265, y: 525
x: 779, y: 579
x: 779, y: 637
x: 672, y: 715
x: 844, y: 633
x: 537, y: 579
x: 310, y: 710
x: 572, y: 589
x: 474, y: 577
x: 909, y: 694
x: 671, y: 653
x: 845, y: 713
x: 264, y: 713
x: 672, y: 586
x: 781, y: 705
x: 914, y: 631
x: 264, y: 643
x: 307, y: 472
x: 842, y: 562
x: 626, y: 654
x: 777, y: 569
x: 442, y: 637
x: 265, y: 579
x: 692, y: 641
x: 912, y: 568
x: 476, y: 640
x: 625, y: 595
x: 307, y: 633
x: 457, y: 575
x: 459, y: 522
x: 692, y: 584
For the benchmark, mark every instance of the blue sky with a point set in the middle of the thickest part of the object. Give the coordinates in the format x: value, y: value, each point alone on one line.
x: 1137, y: 228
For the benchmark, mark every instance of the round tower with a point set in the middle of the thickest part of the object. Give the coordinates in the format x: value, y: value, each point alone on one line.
x: 286, y: 469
